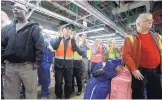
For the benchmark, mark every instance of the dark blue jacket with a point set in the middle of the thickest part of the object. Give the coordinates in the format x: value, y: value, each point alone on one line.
x: 24, y: 45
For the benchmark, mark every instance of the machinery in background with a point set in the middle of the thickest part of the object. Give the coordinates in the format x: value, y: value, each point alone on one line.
x: 156, y: 10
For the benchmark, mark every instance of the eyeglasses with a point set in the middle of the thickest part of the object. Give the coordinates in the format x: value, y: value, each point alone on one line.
x: 148, y: 20
x: 16, y: 7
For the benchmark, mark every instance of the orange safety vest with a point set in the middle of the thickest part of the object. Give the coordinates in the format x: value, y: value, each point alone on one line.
x: 60, y: 51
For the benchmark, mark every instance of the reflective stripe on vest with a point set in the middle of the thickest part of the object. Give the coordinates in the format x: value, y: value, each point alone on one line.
x: 77, y: 56
x: 98, y: 57
x: 60, y: 51
x: 111, y: 53
x: 61, y: 57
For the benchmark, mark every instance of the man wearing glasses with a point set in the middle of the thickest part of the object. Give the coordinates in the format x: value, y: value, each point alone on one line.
x: 23, y: 47
x: 142, y: 53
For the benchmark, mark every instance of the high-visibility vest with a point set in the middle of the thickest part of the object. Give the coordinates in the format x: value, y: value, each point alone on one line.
x: 97, y: 57
x: 77, y: 56
x: 158, y: 38
x: 112, y: 54
x: 89, y: 54
x: 60, y: 51
x: 131, y: 37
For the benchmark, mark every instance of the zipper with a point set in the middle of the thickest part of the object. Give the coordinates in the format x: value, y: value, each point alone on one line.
x: 14, y: 37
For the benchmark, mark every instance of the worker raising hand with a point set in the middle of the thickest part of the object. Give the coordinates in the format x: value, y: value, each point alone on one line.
x: 73, y: 34
x: 60, y: 33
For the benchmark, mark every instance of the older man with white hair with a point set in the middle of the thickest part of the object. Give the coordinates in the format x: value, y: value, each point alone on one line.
x: 142, y: 53
x: 23, y: 46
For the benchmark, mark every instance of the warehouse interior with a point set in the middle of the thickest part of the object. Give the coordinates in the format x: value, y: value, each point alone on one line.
x: 104, y: 20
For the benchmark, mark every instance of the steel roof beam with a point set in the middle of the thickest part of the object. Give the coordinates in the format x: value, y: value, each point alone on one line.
x: 134, y: 5
x: 87, y: 7
x: 52, y: 14
x: 70, y: 12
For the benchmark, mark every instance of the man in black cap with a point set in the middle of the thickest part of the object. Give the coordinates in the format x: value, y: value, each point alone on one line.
x: 65, y: 46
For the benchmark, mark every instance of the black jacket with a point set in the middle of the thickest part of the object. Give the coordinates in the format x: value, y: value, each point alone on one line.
x: 25, y: 45
x: 59, y: 63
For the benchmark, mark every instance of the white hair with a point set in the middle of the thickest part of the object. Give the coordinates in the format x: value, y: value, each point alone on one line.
x: 141, y: 17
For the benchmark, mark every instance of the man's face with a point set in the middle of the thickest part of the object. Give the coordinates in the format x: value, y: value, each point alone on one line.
x: 67, y: 32
x: 84, y: 37
x: 110, y: 43
x: 18, y: 11
x: 147, y: 22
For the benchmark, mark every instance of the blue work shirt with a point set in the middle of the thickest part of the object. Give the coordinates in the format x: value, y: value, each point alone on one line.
x: 84, y: 49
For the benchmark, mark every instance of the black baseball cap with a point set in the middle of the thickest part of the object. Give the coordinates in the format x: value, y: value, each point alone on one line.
x: 70, y: 26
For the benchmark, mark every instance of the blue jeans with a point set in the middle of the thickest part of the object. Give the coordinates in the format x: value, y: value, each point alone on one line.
x: 44, y: 78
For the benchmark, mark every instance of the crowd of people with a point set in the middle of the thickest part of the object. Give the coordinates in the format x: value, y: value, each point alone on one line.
x: 28, y: 53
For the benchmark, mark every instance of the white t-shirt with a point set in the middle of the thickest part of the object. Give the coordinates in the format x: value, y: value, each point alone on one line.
x: 103, y: 64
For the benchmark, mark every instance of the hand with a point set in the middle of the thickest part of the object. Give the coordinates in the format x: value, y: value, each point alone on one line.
x: 2, y: 71
x: 35, y: 66
x: 52, y: 66
x: 61, y: 33
x: 137, y: 74
x: 101, y: 70
x: 73, y: 34
x: 88, y: 45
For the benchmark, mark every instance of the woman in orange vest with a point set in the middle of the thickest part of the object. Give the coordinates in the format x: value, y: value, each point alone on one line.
x: 65, y: 46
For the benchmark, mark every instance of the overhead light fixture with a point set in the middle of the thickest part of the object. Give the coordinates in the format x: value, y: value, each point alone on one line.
x: 90, y: 31
x: 91, y: 10
x: 100, y: 36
